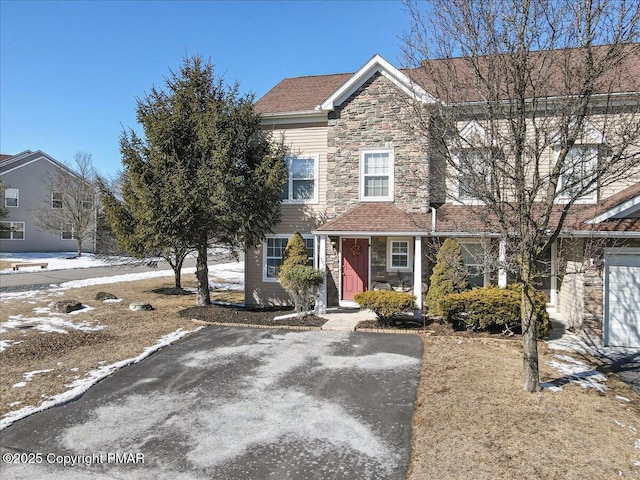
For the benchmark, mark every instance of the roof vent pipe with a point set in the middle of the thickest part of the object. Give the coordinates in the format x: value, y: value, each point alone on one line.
x: 433, y: 219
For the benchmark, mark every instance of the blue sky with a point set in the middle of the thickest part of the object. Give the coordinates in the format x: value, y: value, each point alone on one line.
x: 71, y: 70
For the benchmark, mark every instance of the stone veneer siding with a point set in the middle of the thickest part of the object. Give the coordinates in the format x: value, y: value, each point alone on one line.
x: 377, y: 115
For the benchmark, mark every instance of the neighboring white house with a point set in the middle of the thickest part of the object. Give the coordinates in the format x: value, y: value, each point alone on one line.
x: 26, y: 190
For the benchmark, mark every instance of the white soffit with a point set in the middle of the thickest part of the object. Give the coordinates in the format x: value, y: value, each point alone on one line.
x: 619, y: 211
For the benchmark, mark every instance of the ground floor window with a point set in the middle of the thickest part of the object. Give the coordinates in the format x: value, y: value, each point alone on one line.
x: 399, y: 254
x: 273, y: 249
x: 68, y: 232
x: 474, y: 259
x: 12, y: 230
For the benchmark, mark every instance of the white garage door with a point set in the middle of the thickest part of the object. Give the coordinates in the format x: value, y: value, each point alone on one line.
x: 622, y: 299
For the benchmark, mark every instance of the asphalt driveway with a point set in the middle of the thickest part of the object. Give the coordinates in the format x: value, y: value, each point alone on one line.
x: 234, y: 403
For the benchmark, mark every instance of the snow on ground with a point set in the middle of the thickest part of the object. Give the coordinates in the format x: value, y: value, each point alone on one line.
x: 59, y: 261
x: 227, y: 276
x: 81, y: 385
x: 576, y: 372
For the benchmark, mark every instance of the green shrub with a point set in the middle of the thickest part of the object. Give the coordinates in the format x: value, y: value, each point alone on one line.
x: 449, y: 275
x: 297, y: 276
x: 385, y: 304
x: 484, y: 308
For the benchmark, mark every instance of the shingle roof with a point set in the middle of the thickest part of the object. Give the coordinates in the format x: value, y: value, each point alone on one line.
x: 305, y: 93
x: 386, y: 217
x: 300, y: 94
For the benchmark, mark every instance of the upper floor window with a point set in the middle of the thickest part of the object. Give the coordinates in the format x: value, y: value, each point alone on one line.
x: 56, y: 200
x: 274, y: 247
x: 11, y: 197
x: 577, y: 181
x: 12, y: 230
x: 302, y: 184
x: 376, y: 175
x: 399, y: 252
x: 474, y: 175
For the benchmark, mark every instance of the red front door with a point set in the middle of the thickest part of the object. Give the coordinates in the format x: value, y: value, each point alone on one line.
x: 355, y: 266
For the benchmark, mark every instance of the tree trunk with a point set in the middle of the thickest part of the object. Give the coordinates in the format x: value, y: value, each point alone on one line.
x: 529, y: 319
x: 176, y: 274
x: 79, y: 244
x: 202, y: 275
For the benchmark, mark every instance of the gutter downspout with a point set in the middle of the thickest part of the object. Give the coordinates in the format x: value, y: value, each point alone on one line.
x: 433, y: 219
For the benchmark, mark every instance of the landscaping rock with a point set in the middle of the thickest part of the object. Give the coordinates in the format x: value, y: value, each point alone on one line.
x: 102, y: 296
x: 66, y: 306
x: 140, y: 306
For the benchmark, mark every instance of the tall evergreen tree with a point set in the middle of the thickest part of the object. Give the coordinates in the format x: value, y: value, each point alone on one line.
x: 204, y: 172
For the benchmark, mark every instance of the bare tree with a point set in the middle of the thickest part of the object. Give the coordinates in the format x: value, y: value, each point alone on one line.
x: 68, y: 208
x: 537, y: 111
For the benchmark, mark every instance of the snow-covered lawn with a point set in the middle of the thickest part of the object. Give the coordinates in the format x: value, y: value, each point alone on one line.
x: 58, y: 261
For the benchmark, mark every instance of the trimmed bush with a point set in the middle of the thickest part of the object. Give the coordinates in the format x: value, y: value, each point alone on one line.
x: 449, y: 275
x: 385, y: 304
x: 297, y: 276
x: 484, y: 308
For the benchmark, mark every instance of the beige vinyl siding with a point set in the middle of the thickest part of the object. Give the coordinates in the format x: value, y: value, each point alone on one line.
x: 571, y: 283
x: 304, y: 218
x: 599, y: 124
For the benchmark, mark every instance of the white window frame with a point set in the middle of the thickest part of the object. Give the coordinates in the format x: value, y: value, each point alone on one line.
x: 591, y: 197
x: 409, y: 254
x: 483, y: 264
x: 459, y: 198
x: 316, y: 177
x: 72, y: 231
x: 12, y: 229
x: 12, y: 193
x: 54, y: 200
x: 385, y: 198
x: 284, y: 236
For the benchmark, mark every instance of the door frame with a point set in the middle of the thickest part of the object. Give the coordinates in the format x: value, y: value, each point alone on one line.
x: 609, y: 254
x: 351, y: 303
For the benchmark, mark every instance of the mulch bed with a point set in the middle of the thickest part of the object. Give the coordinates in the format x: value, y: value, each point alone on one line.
x: 250, y: 316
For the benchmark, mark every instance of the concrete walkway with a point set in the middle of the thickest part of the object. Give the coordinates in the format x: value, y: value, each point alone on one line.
x: 346, y: 319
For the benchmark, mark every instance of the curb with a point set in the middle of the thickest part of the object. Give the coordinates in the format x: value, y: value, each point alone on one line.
x: 253, y: 325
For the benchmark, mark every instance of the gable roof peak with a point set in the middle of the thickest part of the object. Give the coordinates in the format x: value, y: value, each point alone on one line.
x: 376, y: 64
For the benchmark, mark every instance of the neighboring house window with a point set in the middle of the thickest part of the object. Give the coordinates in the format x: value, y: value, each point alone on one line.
x: 11, y: 197
x: 302, y: 184
x: 274, y: 247
x: 473, y: 258
x: 87, y: 204
x: 581, y: 164
x: 473, y: 175
x: 399, y: 254
x: 68, y: 232
x: 376, y: 175
x: 12, y: 231
x: 56, y: 200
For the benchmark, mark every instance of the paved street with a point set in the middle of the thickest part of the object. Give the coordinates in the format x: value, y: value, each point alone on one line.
x: 235, y: 403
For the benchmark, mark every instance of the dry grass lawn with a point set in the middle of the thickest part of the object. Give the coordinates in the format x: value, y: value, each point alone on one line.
x: 69, y: 356
x: 472, y: 420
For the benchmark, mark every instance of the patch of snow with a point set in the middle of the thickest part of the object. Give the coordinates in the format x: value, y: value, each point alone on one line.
x: 637, y: 444
x: 623, y: 398
x: 80, y: 386
x: 551, y: 386
x: 60, y: 261
x: 29, y: 375
x: 579, y: 373
x: 47, y: 324
x: 112, y: 300
x: 19, y: 385
x: 4, y: 344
